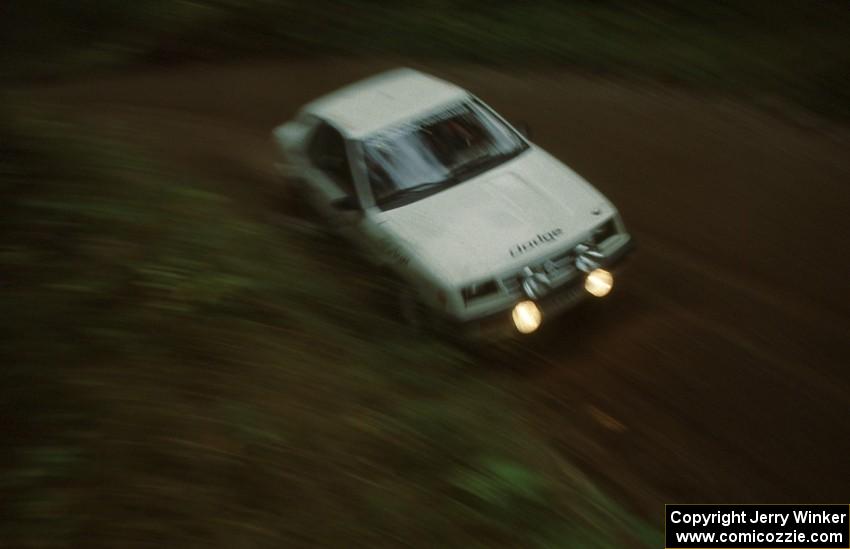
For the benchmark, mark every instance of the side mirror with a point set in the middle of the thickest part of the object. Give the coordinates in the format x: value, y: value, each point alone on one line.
x: 348, y: 203
x: 523, y: 128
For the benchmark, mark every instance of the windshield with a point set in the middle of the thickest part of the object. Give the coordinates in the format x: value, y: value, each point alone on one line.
x: 415, y: 159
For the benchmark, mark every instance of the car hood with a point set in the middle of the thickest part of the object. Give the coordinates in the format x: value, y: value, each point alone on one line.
x: 468, y: 232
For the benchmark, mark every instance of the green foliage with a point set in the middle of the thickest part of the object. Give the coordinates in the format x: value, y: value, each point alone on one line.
x: 500, y: 483
x: 174, y: 370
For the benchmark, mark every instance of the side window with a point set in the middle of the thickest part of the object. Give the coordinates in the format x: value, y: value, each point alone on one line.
x: 327, y: 152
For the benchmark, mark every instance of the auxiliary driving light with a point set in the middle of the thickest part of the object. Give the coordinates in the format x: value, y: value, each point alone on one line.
x: 527, y: 316
x: 599, y: 282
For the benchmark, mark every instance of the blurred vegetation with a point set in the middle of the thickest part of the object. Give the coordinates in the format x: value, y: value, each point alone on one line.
x: 176, y: 373
x: 762, y: 49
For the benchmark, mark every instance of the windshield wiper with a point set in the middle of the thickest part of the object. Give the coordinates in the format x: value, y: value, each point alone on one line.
x: 414, y: 190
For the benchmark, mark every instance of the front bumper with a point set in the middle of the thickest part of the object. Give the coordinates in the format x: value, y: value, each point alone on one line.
x: 499, y: 325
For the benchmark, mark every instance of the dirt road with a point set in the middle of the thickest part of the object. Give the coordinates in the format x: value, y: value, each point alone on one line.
x: 718, y: 371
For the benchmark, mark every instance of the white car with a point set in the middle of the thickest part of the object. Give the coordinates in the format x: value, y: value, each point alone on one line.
x: 486, y: 231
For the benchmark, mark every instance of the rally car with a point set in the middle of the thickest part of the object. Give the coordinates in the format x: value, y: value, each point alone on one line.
x: 487, y: 232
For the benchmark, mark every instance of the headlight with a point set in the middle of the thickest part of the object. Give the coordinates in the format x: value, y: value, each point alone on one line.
x: 605, y: 231
x: 599, y: 282
x: 527, y: 316
x: 482, y: 289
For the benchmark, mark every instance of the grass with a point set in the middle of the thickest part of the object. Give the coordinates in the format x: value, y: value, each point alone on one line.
x: 176, y: 373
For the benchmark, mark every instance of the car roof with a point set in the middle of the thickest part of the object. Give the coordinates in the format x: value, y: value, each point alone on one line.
x: 391, y: 97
